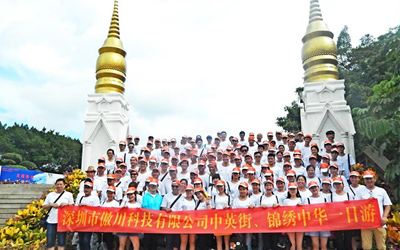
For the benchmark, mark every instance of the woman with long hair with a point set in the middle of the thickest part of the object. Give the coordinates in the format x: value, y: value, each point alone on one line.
x: 110, y: 162
x: 244, y: 201
x: 233, y: 184
x: 342, y: 237
x: 131, y: 202
x: 221, y: 201
x: 319, y: 239
x: 269, y: 199
x: 188, y: 204
x: 294, y: 199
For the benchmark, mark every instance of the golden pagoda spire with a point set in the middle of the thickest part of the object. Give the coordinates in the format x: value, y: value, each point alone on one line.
x: 319, y: 53
x: 111, y: 65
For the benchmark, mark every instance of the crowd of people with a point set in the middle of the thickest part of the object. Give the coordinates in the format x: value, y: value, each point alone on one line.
x: 223, y: 173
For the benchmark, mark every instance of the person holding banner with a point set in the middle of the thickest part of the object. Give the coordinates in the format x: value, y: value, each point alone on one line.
x: 151, y: 200
x: 342, y: 237
x: 244, y: 201
x: 108, y: 238
x: 266, y: 201
x: 319, y: 239
x: 221, y: 201
x: 131, y: 202
x: 374, y: 192
x: 294, y: 199
x: 87, y: 198
x: 188, y: 203
x: 203, y: 203
x: 172, y: 202
x: 53, y: 201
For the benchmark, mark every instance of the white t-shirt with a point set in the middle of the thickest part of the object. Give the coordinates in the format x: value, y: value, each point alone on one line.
x: 315, y: 200
x: 292, y: 203
x: 281, y: 195
x: 380, y: 194
x: 92, y: 200
x: 188, y: 205
x: 237, y: 203
x: 169, y: 198
x: 305, y: 194
x: 113, y: 203
x: 131, y: 205
x: 357, y: 192
x: 345, y: 162
x: 110, y: 166
x: 233, y: 189
x: 342, y: 197
x: 50, y: 198
x: 220, y: 202
x: 267, y: 201
x: 224, y: 144
x: 225, y: 172
x: 299, y: 170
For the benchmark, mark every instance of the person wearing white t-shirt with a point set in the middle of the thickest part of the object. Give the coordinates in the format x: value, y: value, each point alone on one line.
x: 225, y: 168
x: 355, y: 188
x: 221, y: 201
x: 346, y: 159
x: 301, y: 181
x: 242, y: 139
x: 233, y: 184
x: 280, y: 190
x: 110, y: 161
x: 131, y: 153
x: 90, y: 174
x: 53, y: 201
x: 342, y: 237
x: 86, y: 198
x: 184, y: 173
x: 224, y: 142
x: 203, y: 203
x: 384, y: 204
x: 118, y: 191
x: 330, y: 136
x: 172, y: 202
x: 130, y: 202
x: 108, y: 238
x: 320, y: 238
x: 269, y: 199
x: 334, y: 172
x: 122, y: 151
x: 294, y: 199
x: 311, y: 175
x: 297, y: 167
x: 244, y: 201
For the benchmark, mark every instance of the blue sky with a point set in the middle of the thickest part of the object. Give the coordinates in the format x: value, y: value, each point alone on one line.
x: 193, y: 67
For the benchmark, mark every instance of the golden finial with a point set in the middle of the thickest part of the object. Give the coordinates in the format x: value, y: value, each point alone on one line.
x: 319, y: 53
x: 111, y: 65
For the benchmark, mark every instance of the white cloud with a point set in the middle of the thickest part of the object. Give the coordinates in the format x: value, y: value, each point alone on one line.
x: 194, y: 67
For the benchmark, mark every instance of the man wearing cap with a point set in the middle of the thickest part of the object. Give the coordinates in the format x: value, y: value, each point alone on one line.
x: 346, y: 159
x: 164, y: 170
x: 184, y: 173
x: 90, y: 174
x: 209, y: 142
x: 242, y: 140
x: 172, y: 202
x: 224, y: 142
x: 305, y: 148
x: 100, y: 176
x: 130, y: 153
x: 225, y: 168
x: 252, y: 145
x: 384, y: 202
x: 111, y: 182
x: 156, y: 152
x: 137, y: 147
x: 183, y: 143
x: 172, y: 175
x: 143, y: 171
x: 122, y: 151
x: 86, y: 198
x: 330, y: 136
x: 193, y: 161
x: 151, y: 200
x: 334, y: 172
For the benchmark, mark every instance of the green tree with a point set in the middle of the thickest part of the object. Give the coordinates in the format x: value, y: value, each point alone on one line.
x: 291, y: 122
x: 380, y: 123
x: 344, y: 50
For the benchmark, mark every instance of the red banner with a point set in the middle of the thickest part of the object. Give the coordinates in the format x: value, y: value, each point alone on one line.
x: 346, y: 215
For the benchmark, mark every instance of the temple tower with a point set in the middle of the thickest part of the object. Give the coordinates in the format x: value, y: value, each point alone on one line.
x: 325, y: 107
x: 106, y: 121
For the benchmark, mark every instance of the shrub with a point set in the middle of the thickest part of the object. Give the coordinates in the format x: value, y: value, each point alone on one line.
x: 29, y: 165
x: 17, y: 158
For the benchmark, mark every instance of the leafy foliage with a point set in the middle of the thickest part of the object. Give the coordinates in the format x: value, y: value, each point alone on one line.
x: 373, y: 92
x: 23, y: 230
x: 292, y: 120
x: 43, y: 148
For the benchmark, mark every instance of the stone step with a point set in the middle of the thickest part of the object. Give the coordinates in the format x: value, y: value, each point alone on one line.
x: 14, y: 197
